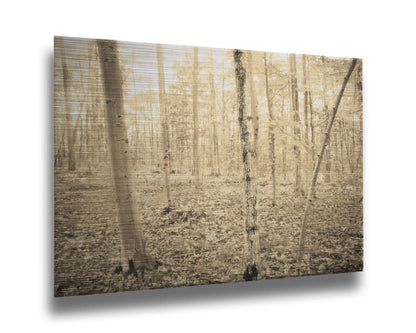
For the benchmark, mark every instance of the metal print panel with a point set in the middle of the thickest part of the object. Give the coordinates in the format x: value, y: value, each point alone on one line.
x: 179, y: 166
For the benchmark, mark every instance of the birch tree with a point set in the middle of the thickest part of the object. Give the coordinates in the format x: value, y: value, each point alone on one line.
x: 133, y: 255
x: 248, y: 154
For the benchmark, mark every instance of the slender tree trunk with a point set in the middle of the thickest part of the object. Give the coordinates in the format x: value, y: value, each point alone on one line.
x: 283, y: 140
x: 81, y: 141
x: 252, y: 238
x: 133, y: 255
x: 96, y: 108
x: 90, y: 120
x: 163, y: 117
x: 216, y: 151
x: 253, y: 105
x: 69, y: 132
x: 196, y: 156
x: 171, y: 142
x: 59, y: 153
x: 341, y: 149
x: 359, y: 85
x: 296, y: 120
x: 137, y: 140
x: 348, y: 148
x: 78, y: 122
x: 318, y: 164
x: 215, y: 167
x: 305, y: 99
x: 306, y: 112
x: 335, y: 150
x: 271, y: 131
x: 311, y: 112
x: 88, y: 140
x: 223, y: 141
x: 353, y: 144
x: 326, y: 111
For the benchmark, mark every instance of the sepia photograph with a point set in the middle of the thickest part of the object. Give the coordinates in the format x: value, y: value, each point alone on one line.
x: 223, y: 166
x: 183, y: 165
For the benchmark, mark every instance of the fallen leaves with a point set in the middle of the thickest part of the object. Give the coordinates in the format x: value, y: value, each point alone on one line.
x: 199, y: 240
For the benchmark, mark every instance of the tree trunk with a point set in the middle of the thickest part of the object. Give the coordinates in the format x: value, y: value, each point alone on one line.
x: 296, y: 120
x: 81, y: 141
x: 196, y: 156
x: 90, y: 120
x: 318, y: 164
x: 252, y: 238
x: 359, y: 85
x: 347, y: 147
x: 311, y: 112
x: 253, y: 105
x: 272, y: 154
x: 305, y: 99
x: 163, y: 117
x: 133, y: 255
x: 69, y: 132
x: 326, y: 111
x: 341, y: 149
x: 283, y: 140
x: 223, y: 141
x: 215, y: 167
x: 306, y: 112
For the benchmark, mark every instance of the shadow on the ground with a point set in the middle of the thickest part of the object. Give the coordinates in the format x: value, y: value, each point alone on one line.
x: 289, y: 287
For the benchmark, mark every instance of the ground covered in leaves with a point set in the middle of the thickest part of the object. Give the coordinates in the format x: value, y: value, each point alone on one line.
x: 201, y: 240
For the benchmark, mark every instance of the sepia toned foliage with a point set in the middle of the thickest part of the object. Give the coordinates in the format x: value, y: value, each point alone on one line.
x: 181, y: 165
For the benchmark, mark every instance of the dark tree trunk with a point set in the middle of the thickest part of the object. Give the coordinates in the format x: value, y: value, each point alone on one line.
x: 133, y: 255
x: 252, y: 238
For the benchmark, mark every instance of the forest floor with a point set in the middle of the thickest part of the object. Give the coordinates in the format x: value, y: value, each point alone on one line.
x: 201, y: 241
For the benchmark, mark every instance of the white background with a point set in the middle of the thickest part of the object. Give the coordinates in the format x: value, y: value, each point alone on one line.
x: 380, y: 299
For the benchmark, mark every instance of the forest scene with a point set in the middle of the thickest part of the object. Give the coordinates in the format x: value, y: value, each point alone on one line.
x: 179, y: 165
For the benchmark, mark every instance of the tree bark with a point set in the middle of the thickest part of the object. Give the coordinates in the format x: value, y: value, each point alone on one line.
x: 70, y: 137
x: 310, y: 111
x: 196, y: 156
x: 253, y: 104
x: 318, y: 164
x: 306, y: 113
x: 252, y: 239
x: 326, y: 111
x: 296, y: 120
x: 305, y: 99
x: 81, y: 141
x: 163, y: 117
x: 224, y: 142
x: 215, y: 167
x: 133, y: 255
x: 272, y: 154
